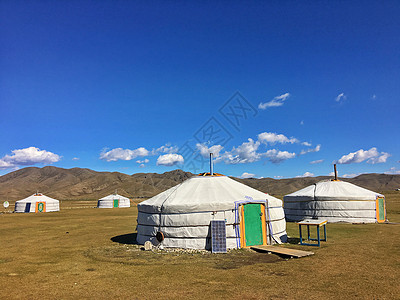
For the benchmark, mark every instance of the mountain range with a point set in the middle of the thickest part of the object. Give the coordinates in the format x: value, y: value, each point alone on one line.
x: 78, y: 183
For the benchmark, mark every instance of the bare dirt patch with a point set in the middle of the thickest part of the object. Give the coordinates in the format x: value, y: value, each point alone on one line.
x: 134, y: 255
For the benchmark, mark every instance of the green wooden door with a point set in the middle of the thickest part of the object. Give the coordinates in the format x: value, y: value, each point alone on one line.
x: 253, y: 224
x: 115, y: 202
x: 381, y: 209
x: 40, y: 207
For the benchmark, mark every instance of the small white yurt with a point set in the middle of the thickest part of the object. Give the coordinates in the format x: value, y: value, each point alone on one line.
x: 37, y: 203
x: 184, y: 212
x: 335, y: 201
x: 113, y: 200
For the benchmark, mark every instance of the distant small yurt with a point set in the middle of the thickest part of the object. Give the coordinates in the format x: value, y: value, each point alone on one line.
x: 113, y: 200
x: 183, y: 213
x: 37, y: 203
x: 335, y: 201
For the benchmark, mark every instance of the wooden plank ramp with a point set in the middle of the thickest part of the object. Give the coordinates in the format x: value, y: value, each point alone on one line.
x: 282, y: 251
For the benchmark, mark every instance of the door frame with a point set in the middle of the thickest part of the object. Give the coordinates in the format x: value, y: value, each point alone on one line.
x: 263, y: 223
x: 37, y: 206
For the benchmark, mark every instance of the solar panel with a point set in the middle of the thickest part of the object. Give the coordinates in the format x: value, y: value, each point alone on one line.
x: 218, y: 236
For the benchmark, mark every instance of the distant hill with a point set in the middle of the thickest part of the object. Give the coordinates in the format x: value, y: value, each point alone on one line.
x: 80, y: 183
x: 374, y: 182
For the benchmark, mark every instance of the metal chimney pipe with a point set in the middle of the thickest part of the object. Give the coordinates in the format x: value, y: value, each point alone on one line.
x: 211, y: 165
x: 334, y: 166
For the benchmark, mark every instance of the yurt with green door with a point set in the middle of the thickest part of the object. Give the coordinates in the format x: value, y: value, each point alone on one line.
x: 183, y: 213
x: 335, y: 201
x: 113, y: 201
x: 37, y: 203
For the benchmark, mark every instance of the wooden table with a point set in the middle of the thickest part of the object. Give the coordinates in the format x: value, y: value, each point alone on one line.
x: 316, y: 223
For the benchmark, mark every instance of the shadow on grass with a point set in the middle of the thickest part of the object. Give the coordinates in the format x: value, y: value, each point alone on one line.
x: 293, y: 240
x: 127, y: 239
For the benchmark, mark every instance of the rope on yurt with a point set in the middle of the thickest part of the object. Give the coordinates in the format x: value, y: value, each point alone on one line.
x: 271, y: 233
x: 237, y: 222
x: 162, y: 205
x: 315, y: 201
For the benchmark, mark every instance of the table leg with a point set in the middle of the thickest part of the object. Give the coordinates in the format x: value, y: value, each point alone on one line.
x: 319, y: 239
x: 308, y: 232
x: 301, y: 239
x: 325, y: 232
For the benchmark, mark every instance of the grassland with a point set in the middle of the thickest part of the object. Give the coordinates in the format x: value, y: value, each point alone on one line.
x: 83, y: 252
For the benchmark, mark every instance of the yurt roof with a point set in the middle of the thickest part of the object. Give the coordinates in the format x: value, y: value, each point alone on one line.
x: 204, y: 193
x: 38, y: 198
x: 114, y: 196
x: 329, y: 189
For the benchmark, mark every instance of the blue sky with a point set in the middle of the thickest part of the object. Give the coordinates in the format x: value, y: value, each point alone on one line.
x: 274, y: 89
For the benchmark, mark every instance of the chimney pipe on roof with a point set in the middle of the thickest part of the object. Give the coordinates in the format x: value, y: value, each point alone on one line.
x: 334, y: 166
x: 211, y: 165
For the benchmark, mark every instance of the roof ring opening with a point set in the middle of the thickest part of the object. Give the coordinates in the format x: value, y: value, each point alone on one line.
x: 209, y: 174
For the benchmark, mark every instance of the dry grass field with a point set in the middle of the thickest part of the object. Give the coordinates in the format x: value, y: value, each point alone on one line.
x: 84, y: 252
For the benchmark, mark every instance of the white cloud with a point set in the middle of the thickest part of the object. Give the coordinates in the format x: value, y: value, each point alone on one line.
x: 169, y: 159
x: 145, y: 161
x: 142, y: 165
x: 249, y: 152
x: 5, y: 165
x: 123, y: 154
x: 372, y: 156
x: 316, y: 149
x: 349, y: 175
x: 75, y: 158
x: 278, y: 177
x: 301, y: 122
x: 28, y: 156
x: 277, y: 101
x: 316, y: 161
x: 276, y: 156
x: 393, y: 171
x: 247, y: 175
x: 373, y: 97
x: 245, y: 153
x: 205, y: 151
x: 340, y: 97
x: 273, y: 138
x: 167, y: 148
x: 306, y: 174
x: 382, y: 158
x: 129, y: 154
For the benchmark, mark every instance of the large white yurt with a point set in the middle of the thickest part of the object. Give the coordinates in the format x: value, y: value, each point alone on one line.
x: 335, y: 201
x: 37, y: 203
x: 184, y: 212
x: 113, y: 200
